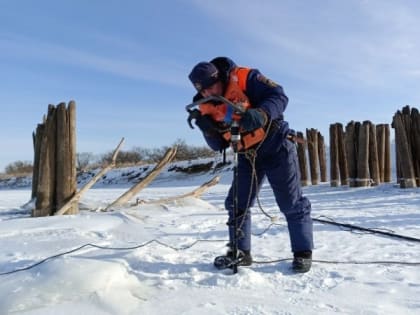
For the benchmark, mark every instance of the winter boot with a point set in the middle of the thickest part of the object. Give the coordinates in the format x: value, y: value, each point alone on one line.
x: 302, y: 261
x: 227, y: 261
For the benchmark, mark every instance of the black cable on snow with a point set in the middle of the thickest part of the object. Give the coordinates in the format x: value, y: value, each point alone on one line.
x: 369, y: 230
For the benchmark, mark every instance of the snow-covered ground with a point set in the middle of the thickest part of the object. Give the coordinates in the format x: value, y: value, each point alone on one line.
x: 168, y: 268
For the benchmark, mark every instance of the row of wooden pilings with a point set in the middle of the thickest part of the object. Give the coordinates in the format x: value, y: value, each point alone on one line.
x: 360, y: 153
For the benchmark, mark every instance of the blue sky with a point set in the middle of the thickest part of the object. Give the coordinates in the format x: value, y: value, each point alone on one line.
x: 125, y: 63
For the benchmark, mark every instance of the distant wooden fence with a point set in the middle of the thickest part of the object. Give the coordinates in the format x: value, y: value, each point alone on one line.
x: 54, y: 172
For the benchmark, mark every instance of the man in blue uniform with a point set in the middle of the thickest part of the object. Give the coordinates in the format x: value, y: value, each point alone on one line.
x: 267, y: 150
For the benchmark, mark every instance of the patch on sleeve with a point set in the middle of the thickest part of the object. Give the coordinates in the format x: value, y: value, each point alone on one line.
x: 266, y: 81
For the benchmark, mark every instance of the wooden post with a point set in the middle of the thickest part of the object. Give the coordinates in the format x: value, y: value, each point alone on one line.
x: 334, y: 167
x: 44, y: 204
x: 363, y: 178
x: 351, y: 152
x: 66, y: 175
x: 406, y: 119
x: 397, y: 153
x: 63, y: 168
x: 303, y: 164
x: 387, y: 167
x: 404, y: 155
x: 373, y: 156
x: 408, y: 126
x: 415, y: 142
x: 322, y: 158
x: 37, y: 138
x: 342, y: 156
x: 311, y: 136
x: 71, y: 113
x: 380, y: 142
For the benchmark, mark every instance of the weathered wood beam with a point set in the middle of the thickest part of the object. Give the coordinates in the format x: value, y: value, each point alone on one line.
x: 129, y: 194
x: 196, y: 193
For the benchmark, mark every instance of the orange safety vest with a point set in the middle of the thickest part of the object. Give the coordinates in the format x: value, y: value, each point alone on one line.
x: 235, y: 92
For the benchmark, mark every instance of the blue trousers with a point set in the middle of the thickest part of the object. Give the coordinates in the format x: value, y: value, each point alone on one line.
x: 280, y: 166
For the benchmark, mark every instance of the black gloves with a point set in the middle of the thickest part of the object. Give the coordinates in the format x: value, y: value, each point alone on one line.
x: 194, y: 114
x: 204, y: 122
x: 253, y: 118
